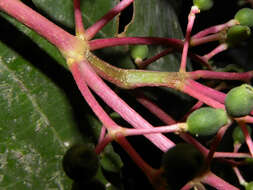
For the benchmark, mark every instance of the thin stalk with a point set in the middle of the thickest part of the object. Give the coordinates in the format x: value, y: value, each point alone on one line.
x: 98, y: 110
x: 239, y: 176
x: 201, y: 97
x: 102, y: 133
x: 176, y: 128
x: 118, y: 105
x: 215, y: 29
x: 247, y: 137
x: 231, y: 155
x: 216, y: 182
x: 101, y: 145
x: 146, y: 62
x: 78, y: 20
x: 206, y: 39
x: 191, y: 18
x: 94, y: 29
x: 246, y: 76
x: 217, y: 50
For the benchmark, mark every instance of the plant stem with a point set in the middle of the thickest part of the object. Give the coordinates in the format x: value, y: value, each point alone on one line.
x: 217, y: 50
x: 201, y: 97
x: 153, y: 108
x: 102, y: 144
x: 91, y: 31
x: 57, y: 36
x: 118, y: 105
x: 176, y: 128
x: 231, y: 155
x: 247, y: 137
x: 102, y: 133
x: 239, y: 176
x: 216, y: 182
x: 145, y: 63
x: 78, y: 20
x: 220, y: 75
x: 206, y: 39
x: 98, y: 110
x: 191, y: 18
x: 110, y: 42
x: 215, y: 29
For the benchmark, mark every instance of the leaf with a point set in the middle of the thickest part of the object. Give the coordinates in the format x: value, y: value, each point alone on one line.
x: 156, y: 18
x: 36, y: 126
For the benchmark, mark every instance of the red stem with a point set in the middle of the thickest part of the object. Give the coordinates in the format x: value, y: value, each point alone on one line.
x: 247, y: 137
x: 217, y: 50
x: 218, y: 183
x: 191, y: 19
x: 57, y: 36
x: 78, y: 18
x: 93, y: 30
x: 220, y: 75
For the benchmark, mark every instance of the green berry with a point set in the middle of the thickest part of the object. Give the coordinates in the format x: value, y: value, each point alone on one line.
x: 239, y: 101
x: 139, y: 52
x: 237, y: 34
x: 206, y: 121
x: 249, y: 186
x: 181, y: 164
x: 245, y: 17
x: 203, y: 5
x: 238, y: 135
x: 80, y: 162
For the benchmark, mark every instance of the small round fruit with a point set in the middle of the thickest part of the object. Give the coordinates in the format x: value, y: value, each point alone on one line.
x: 139, y: 52
x: 245, y: 17
x: 239, y: 101
x: 81, y: 162
x: 236, y: 34
x: 181, y: 164
x: 249, y: 186
x: 206, y: 121
x: 203, y: 5
x: 238, y: 135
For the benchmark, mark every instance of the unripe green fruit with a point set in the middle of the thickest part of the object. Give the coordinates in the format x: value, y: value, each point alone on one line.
x: 80, y: 162
x: 139, y: 52
x: 203, y: 5
x: 249, y: 186
x: 238, y: 135
x: 206, y: 121
x: 181, y: 163
x: 237, y: 34
x: 245, y: 17
x: 239, y: 101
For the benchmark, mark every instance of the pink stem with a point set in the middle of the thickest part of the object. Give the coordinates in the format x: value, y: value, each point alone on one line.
x: 40, y: 24
x: 153, y: 108
x: 207, y: 91
x: 248, y: 119
x: 218, y: 183
x: 118, y: 105
x: 231, y: 155
x: 163, y: 129
x: 215, y: 143
x: 205, y: 39
x: 187, y: 186
x: 201, y: 97
x: 93, y: 30
x: 220, y: 75
x: 247, y: 137
x: 102, y: 134
x: 239, y: 176
x: 217, y: 50
x: 110, y: 42
x: 214, y: 29
x: 145, y: 63
x: 98, y: 110
x: 101, y: 145
x: 191, y: 19
x: 78, y: 18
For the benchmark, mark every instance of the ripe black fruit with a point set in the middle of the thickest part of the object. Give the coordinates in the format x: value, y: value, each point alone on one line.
x: 80, y: 162
x: 181, y: 164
